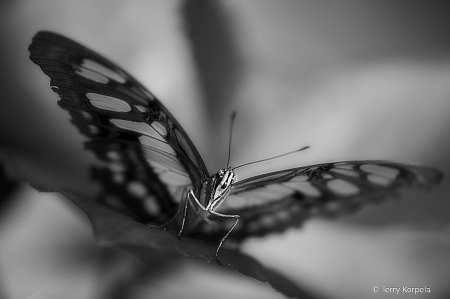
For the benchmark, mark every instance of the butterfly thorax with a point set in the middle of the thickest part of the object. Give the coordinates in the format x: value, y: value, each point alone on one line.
x: 216, y: 189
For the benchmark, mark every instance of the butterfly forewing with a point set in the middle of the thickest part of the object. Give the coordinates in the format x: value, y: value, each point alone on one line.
x: 275, y: 201
x: 148, y: 159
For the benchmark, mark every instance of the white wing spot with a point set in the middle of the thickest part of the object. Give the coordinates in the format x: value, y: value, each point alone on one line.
x: 379, y: 180
x: 92, y: 75
x: 118, y: 178
x: 117, y: 167
x: 344, y: 166
x: 138, y: 127
x: 108, y: 103
x: 304, y: 187
x: 99, y: 73
x: 93, y: 129
x: 282, y: 215
x: 345, y: 172
x: 158, y: 127
x: 380, y: 170
x: 86, y: 115
x: 163, y: 162
x: 157, y: 144
x: 157, y: 167
x: 299, y: 178
x: 342, y: 187
x: 113, y: 155
x: 137, y: 189
x: 141, y: 108
x: 151, y: 205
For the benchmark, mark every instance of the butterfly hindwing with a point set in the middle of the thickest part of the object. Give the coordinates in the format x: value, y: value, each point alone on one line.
x: 273, y: 202
x: 148, y: 159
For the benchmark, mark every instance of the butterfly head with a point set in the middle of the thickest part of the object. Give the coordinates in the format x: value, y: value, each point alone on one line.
x: 223, y: 179
x: 222, y: 182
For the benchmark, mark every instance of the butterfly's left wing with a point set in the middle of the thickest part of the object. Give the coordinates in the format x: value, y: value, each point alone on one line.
x: 273, y: 202
x: 146, y: 157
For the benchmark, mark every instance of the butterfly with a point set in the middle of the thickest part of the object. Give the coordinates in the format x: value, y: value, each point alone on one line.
x: 151, y: 171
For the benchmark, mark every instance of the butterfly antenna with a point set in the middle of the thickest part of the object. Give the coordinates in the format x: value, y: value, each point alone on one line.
x: 271, y: 158
x: 233, y: 117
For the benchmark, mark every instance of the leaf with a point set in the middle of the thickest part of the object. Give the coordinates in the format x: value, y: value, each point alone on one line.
x: 114, y: 229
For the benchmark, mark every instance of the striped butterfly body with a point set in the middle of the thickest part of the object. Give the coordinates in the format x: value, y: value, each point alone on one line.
x: 151, y: 171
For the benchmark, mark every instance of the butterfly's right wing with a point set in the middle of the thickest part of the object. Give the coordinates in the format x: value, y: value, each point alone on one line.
x: 273, y: 202
x: 147, y: 158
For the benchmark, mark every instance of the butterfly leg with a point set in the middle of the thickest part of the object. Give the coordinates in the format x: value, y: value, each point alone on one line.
x: 169, y: 222
x: 199, y: 209
x: 186, y: 203
x: 227, y: 234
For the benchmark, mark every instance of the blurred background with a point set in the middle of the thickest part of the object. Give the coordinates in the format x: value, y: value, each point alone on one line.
x: 352, y: 79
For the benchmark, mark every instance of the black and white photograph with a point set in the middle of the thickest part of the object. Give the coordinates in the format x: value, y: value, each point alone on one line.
x: 224, y: 149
